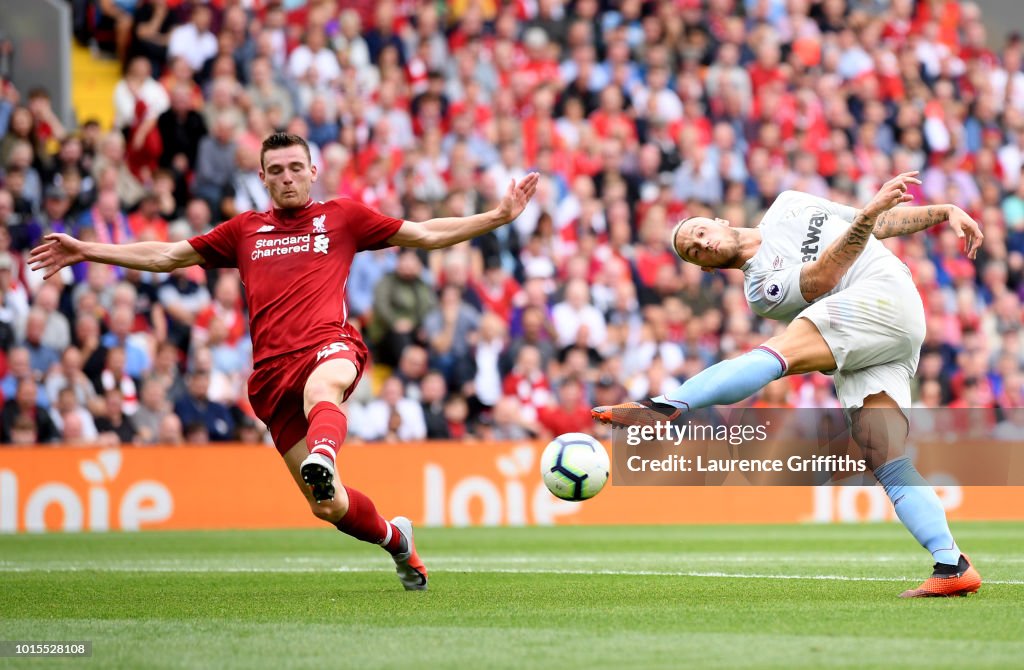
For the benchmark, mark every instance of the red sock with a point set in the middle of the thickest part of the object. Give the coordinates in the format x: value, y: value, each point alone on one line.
x: 364, y: 523
x: 328, y: 427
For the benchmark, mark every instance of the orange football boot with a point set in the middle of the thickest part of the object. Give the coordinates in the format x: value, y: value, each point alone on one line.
x: 642, y: 413
x: 947, y: 581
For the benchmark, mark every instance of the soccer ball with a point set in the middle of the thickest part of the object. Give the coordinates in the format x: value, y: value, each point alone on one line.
x: 574, y: 466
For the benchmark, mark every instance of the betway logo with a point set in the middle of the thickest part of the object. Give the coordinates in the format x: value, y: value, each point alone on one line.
x: 143, y: 502
x: 813, y: 239
x: 496, y: 500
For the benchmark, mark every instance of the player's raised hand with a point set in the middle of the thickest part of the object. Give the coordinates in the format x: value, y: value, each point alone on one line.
x: 518, y: 196
x: 966, y: 229
x: 892, y: 193
x: 56, y: 252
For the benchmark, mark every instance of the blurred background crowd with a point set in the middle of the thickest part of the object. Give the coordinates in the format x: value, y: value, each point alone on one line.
x: 636, y: 114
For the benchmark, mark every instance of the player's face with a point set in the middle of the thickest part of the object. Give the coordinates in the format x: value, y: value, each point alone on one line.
x: 288, y: 176
x: 709, y: 243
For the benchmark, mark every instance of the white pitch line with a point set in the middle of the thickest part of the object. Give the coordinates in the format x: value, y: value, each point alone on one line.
x: 513, y: 571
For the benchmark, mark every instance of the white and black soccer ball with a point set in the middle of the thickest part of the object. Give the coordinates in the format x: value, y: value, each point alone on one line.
x: 574, y: 466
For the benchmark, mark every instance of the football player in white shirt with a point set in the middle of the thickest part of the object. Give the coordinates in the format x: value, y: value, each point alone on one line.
x: 853, y: 312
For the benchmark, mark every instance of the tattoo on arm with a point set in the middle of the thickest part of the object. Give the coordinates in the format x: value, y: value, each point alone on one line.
x: 909, y: 220
x: 821, y: 276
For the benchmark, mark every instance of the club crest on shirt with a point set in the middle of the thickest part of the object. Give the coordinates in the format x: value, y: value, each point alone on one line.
x: 318, y: 224
x: 777, y: 263
x: 773, y: 291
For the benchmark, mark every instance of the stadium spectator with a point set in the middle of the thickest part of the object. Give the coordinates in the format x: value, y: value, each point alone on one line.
x: 56, y: 215
x: 193, y: 41
x: 432, y: 396
x: 245, y: 191
x: 41, y: 356
x: 24, y: 420
x: 449, y: 330
x: 171, y: 432
x: 265, y: 93
x: 215, y: 162
x: 22, y: 161
x: 183, y: 298
x: 114, y: 426
x: 505, y: 422
x: 139, y: 101
x: 528, y: 383
x: 401, y: 300
x: 70, y: 376
x: 576, y: 319
x: 119, y: 335
x: 197, y: 409
x: 154, y: 405
x: 392, y: 418
x: 111, y: 170
x: 181, y: 128
x: 74, y: 422
x: 115, y: 377
x: 568, y: 412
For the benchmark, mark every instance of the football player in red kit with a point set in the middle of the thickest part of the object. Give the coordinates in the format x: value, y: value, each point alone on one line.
x: 294, y: 262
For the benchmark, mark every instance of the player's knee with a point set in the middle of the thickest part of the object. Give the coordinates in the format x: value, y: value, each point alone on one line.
x: 803, y: 348
x: 331, y: 512
x: 321, y: 391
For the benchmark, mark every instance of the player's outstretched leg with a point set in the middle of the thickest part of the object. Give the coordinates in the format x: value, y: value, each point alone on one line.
x: 353, y: 513
x: 800, y: 349
x: 880, y: 428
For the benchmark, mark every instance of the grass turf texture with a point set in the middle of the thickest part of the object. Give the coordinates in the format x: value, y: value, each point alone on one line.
x: 702, y: 596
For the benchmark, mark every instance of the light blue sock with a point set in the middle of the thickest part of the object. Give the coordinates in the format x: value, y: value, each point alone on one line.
x: 919, y: 508
x: 729, y: 381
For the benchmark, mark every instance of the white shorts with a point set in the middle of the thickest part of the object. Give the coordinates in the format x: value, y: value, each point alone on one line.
x: 874, y: 328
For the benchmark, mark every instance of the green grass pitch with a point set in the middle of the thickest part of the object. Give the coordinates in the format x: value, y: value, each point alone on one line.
x: 581, y: 598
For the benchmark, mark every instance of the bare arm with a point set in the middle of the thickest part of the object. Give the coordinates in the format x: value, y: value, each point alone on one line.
x: 822, y: 275
x: 150, y: 30
x: 444, y: 232
x: 909, y: 220
x: 59, y: 251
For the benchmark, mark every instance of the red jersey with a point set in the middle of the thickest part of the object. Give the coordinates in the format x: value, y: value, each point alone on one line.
x: 294, y: 265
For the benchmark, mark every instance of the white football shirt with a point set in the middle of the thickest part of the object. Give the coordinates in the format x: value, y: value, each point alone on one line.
x: 795, y: 230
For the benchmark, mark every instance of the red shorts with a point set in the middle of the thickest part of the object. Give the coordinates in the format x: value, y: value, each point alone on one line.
x: 276, y: 386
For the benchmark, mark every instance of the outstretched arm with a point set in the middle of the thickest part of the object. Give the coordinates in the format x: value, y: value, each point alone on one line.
x: 909, y: 220
x: 822, y: 275
x: 444, y: 232
x: 59, y: 250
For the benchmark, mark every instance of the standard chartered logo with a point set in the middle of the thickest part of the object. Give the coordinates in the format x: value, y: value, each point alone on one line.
x: 294, y: 244
x: 281, y: 246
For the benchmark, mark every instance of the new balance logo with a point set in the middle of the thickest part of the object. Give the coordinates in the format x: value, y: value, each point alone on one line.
x: 330, y: 350
x: 265, y: 229
x: 318, y: 224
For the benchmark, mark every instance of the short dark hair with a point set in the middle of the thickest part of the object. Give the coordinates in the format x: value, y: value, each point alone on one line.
x: 282, y: 140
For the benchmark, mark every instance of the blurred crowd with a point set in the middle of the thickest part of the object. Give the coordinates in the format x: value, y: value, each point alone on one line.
x: 635, y: 113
